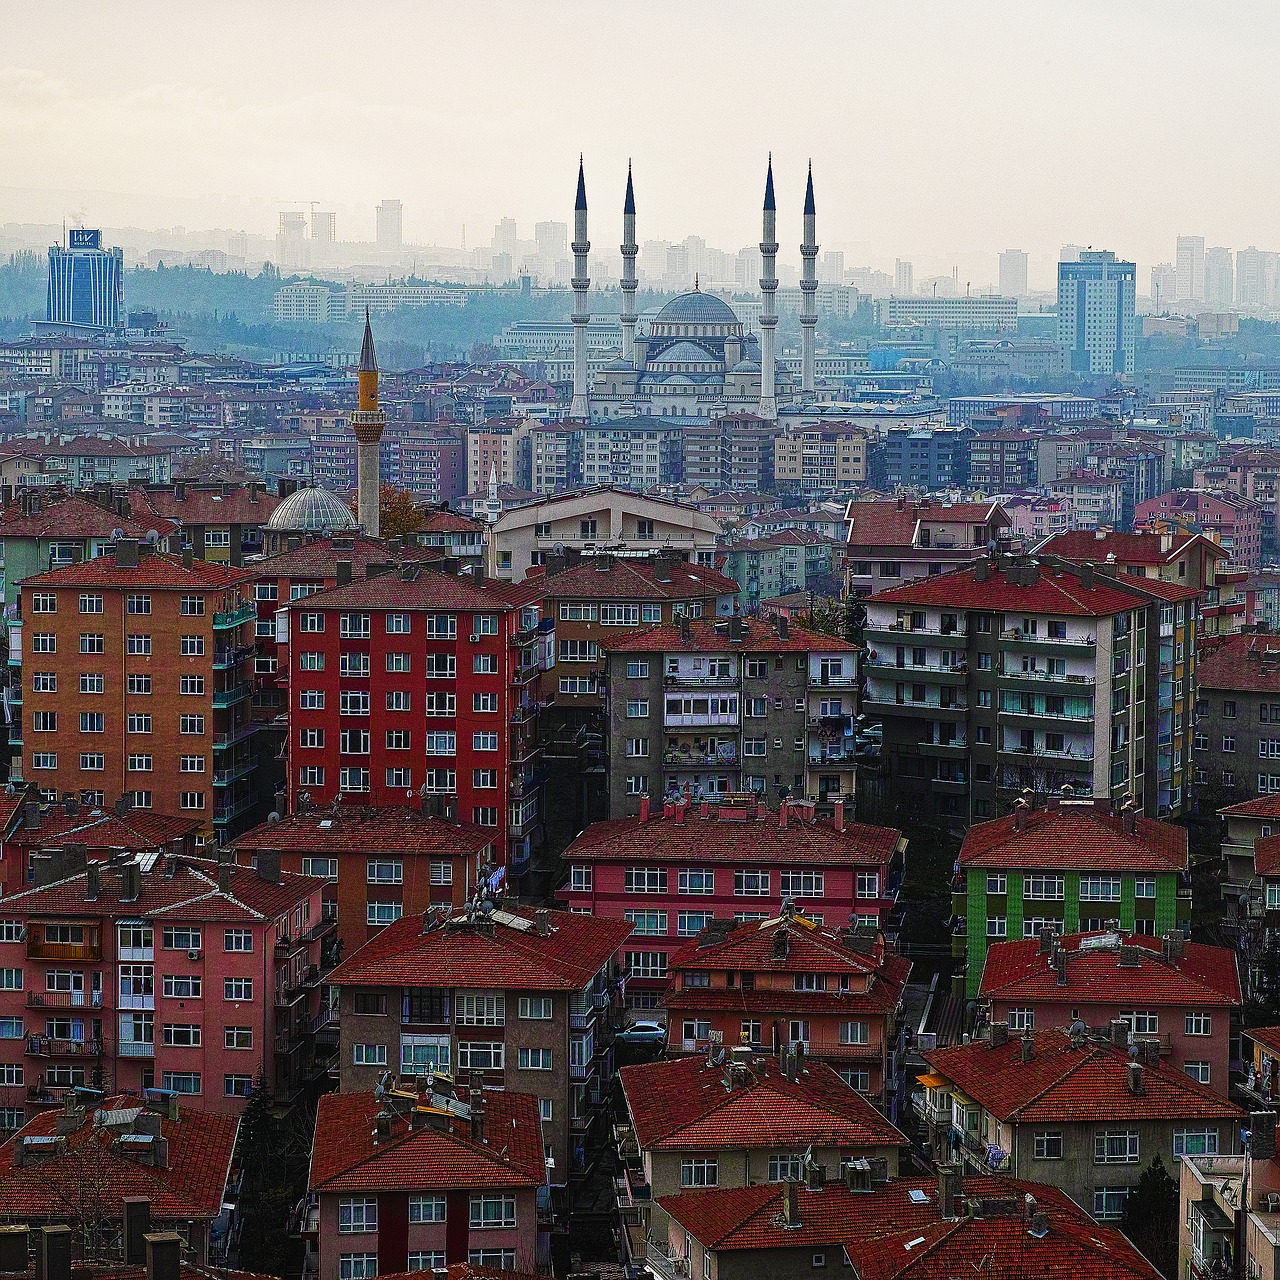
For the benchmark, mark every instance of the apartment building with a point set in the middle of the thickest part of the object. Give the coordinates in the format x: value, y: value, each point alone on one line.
x: 155, y: 1158
x: 500, y: 448
x: 136, y: 679
x: 747, y: 706
x: 791, y: 983
x: 1035, y: 519
x: 890, y: 543
x: 922, y: 458
x: 378, y: 863
x: 780, y: 563
x: 1069, y: 866
x: 192, y: 976
x: 1075, y: 1110
x: 426, y: 684
x: 1237, y: 741
x: 603, y: 518
x: 1183, y: 997
x: 669, y: 873
x: 520, y: 996
x: 904, y: 1228
x: 1234, y: 523
x: 735, y: 451
x: 1040, y: 675
x: 220, y: 523
x: 821, y: 461
x: 1097, y: 500
x: 403, y: 1181
x: 1003, y: 459
x: 695, y: 1123
x: 636, y: 453
x: 555, y: 458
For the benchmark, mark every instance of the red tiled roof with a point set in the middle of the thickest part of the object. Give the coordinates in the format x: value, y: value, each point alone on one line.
x: 1266, y: 855
x: 77, y: 517
x: 318, y: 558
x: 1076, y: 835
x: 200, y: 1144
x: 1068, y: 1084
x: 137, y: 831
x: 633, y: 578
x: 718, y: 839
x: 888, y: 524
x: 182, y: 889
x: 346, y: 1157
x: 1128, y: 548
x: 429, y: 590
x: 888, y: 1234
x: 459, y: 954
x: 710, y: 637
x: 450, y: 522
x: 682, y: 1103
x: 1258, y: 807
x: 210, y: 506
x: 1249, y: 663
x: 1203, y: 975
x: 361, y: 828
x: 1267, y: 1037
x: 154, y: 570
x: 1057, y: 593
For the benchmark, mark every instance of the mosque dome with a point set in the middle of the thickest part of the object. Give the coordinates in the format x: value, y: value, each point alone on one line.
x: 684, y: 352
x: 312, y: 510
x: 697, y: 308
x: 620, y: 366
x: 746, y: 366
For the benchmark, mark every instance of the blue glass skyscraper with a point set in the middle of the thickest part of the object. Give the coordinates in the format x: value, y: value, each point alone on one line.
x: 86, y: 282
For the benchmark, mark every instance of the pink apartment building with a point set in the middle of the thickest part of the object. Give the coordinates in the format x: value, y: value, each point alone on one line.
x: 1182, y: 995
x: 165, y: 972
x: 669, y: 872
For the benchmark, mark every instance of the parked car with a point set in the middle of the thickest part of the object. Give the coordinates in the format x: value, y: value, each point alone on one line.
x: 644, y: 1033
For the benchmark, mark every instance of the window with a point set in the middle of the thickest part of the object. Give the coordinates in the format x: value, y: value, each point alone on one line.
x: 355, y: 664
x: 1047, y: 1146
x: 534, y: 1059
x: 484, y: 742
x: 1116, y: 1147
x: 535, y: 1007
x: 45, y: 682
x: 237, y: 989
x: 426, y: 1208
x: 191, y: 800
x: 442, y: 744
x: 1228, y: 743
x: 442, y: 626
x: 1022, y: 1019
x: 180, y: 938
x: 47, y: 602
x: 381, y: 914
x: 353, y: 626
x: 88, y: 644
x: 997, y: 926
x: 186, y: 724
x: 1199, y: 1024
x: 485, y: 815
x: 237, y: 1037
x: 92, y: 760
x: 311, y: 623
x: 311, y: 775
x: 190, y: 684
x: 699, y: 1172
x: 181, y: 1081
x: 89, y: 604
x: 696, y: 880
x: 237, y: 1086
x: 397, y: 624
x: 398, y: 700
x: 855, y: 1033
x: 193, y: 606
x: 646, y: 964
x: 481, y: 1055
x: 1144, y: 887
x: 1100, y: 888
x: 92, y: 722
x: 237, y: 940
x: 801, y: 884
x: 1229, y: 709
x: 1042, y: 887
x: 868, y: 884
x: 311, y: 661
x: 645, y: 880
x: 44, y: 760
x: 369, y: 1055
x: 647, y: 923
x: 1195, y: 1142
x: 188, y: 646
x: 353, y: 702
x: 751, y: 883
x: 191, y: 764
x: 484, y: 702
x: 44, y: 722
x: 637, y: 709
x: 784, y: 1167
x: 1197, y: 1071
x: 357, y: 1266
x: 182, y: 1034
x: 636, y: 670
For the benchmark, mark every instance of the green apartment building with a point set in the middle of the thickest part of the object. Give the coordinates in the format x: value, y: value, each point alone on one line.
x: 1072, y: 865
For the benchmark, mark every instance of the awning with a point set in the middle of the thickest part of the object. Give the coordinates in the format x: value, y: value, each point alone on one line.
x: 931, y: 1081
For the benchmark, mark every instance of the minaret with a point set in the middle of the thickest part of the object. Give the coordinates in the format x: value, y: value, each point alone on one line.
x: 581, y: 283
x: 629, y: 250
x: 367, y: 423
x: 808, y: 288
x: 768, y: 292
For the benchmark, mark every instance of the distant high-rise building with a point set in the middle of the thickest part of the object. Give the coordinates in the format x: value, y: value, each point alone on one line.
x: 1190, y: 264
x: 831, y: 268
x: 1096, y: 303
x: 1164, y: 286
x: 506, y: 237
x: 86, y: 282
x: 903, y: 285
x: 390, y: 224
x: 291, y: 239
x: 1013, y: 273
x: 324, y: 225
x: 1255, y: 277
x: 552, y: 239
x: 1069, y: 253
x: 501, y: 268
x: 1219, y: 279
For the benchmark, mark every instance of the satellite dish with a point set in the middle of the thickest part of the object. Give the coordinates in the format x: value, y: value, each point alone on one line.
x: 408, y: 795
x: 273, y: 816
x: 153, y: 536
x: 116, y: 535
x: 558, y: 549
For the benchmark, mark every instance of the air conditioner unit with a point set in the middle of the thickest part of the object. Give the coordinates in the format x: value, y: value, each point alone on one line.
x: 475, y: 639
x: 926, y: 1040
x: 194, y: 953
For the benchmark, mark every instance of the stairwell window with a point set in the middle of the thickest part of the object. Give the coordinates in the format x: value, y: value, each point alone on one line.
x: 699, y: 1172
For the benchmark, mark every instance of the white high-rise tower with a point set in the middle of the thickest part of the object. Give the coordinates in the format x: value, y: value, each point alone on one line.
x: 581, y: 284
x: 768, y: 293
x: 629, y: 249
x: 808, y: 288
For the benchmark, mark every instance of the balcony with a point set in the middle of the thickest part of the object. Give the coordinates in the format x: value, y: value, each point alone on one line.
x: 694, y: 680
x: 229, y: 810
x: 38, y: 949
x: 663, y: 1265
x: 878, y: 706
x: 227, y: 656
x: 580, y: 1070
x: 233, y: 694
x: 700, y: 759
x: 135, y: 1049
x: 1077, y: 646
x: 52, y: 1047
x: 938, y: 749
x: 700, y: 720
x: 1057, y: 682
x: 225, y: 741
x: 235, y: 618
x: 928, y: 673
x: 897, y: 630
x: 225, y: 777
x: 64, y: 1000
x: 937, y: 1115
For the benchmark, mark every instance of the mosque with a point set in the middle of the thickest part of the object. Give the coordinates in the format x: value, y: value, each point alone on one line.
x: 694, y: 360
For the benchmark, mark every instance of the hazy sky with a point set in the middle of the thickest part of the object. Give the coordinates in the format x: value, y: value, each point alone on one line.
x: 941, y: 132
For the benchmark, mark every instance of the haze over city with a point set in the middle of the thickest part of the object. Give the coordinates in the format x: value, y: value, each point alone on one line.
x: 938, y: 132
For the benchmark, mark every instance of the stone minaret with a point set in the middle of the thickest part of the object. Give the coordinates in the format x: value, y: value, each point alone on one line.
x: 768, y: 292
x: 628, y: 282
x: 808, y: 288
x: 367, y: 423
x: 581, y: 315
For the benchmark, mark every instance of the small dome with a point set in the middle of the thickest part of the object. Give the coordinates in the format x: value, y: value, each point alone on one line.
x: 747, y: 366
x: 697, y: 308
x: 312, y: 511
x: 684, y: 353
x: 619, y: 366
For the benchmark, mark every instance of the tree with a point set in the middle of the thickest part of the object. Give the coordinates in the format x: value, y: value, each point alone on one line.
x: 398, y: 513
x: 1150, y: 1218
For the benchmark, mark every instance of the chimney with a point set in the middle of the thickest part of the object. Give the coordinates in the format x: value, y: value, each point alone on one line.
x: 224, y: 877
x: 837, y: 815
x: 477, y: 1116
x: 1262, y: 1135
x: 137, y: 1223
x: 1019, y: 814
x: 164, y: 1255
x: 126, y: 553
x: 782, y: 814
x: 644, y: 808
x: 130, y: 882
x: 344, y: 572
x: 13, y: 1248
x: 188, y: 558
x: 542, y: 922
x: 950, y: 1189
x: 790, y: 1205
x: 268, y: 864
x: 1133, y: 1078
x: 1119, y: 1033
x: 1130, y: 957
x: 31, y: 817
x: 1047, y: 936
x: 253, y: 491
x: 999, y: 1034
x: 982, y: 570
x: 1060, y: 966
x: 53, y: 1253
x: 180, y: 491
x: 1027, y: 1046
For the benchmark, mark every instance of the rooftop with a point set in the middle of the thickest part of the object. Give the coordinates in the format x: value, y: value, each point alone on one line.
x: 225, y: 504
x: 361, y: 828
x: 1258, y: 807
x: 510, y: 947
x: 603, y: 577
x: 318, y: 557
x: 77, y: 517
x: 1246, y: 663
x: 429, y: 1143
x: 155, y: 570
x: 1128, y: 548
x: 1072, y: 1082
x: 705, y: 636
x: 136, y: 831
x: 1076, y: 834
x: 420, y: 587
x: 896, y: 523
x: 684, y: 1102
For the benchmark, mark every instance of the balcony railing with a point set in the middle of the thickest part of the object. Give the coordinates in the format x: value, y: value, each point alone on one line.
x: 53, y: 1047
x: 662, y: 1264
x: 64, y: 999
x: 230, y: 696
x: 37, y: 949
x: 135, y: 1049
x: 234, y: 618
x: 224, y: 741
x: 692, y: 759
x: 1050, y: 676
x: 692, y: 679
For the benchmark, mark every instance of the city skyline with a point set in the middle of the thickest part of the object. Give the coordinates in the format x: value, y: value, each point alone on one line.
x: 486, y: 140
